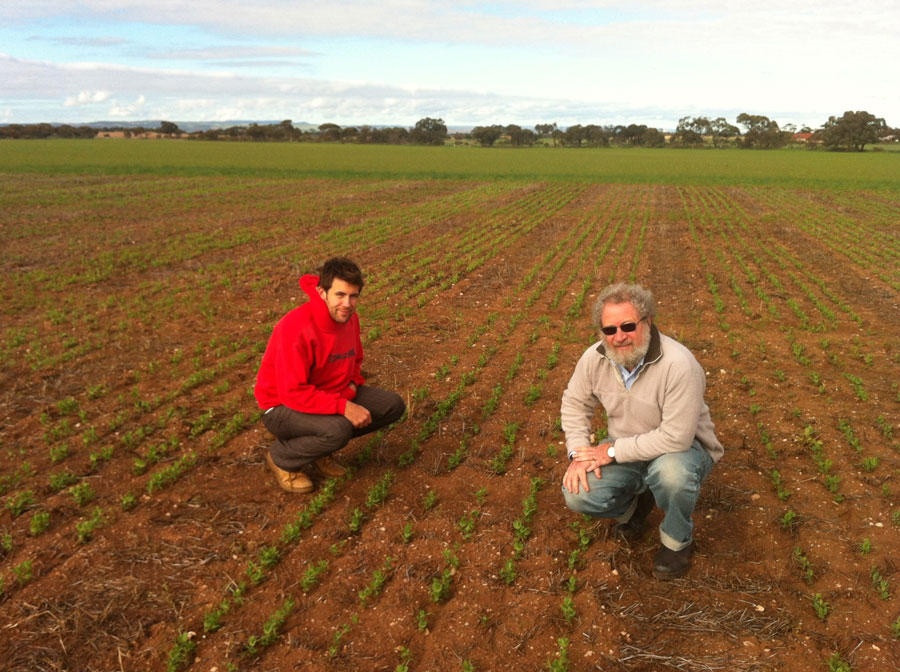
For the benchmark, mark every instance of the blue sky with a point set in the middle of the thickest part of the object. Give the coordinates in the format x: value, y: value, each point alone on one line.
x: 394, y: 62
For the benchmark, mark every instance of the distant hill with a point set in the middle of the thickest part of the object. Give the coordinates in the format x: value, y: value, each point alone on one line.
x: 193, y: 126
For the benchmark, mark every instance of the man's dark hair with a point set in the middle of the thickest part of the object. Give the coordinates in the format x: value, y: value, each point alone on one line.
x: 341, y: 268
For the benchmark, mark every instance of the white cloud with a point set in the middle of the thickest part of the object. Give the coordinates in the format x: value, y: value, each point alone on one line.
x: 125, y: 111
x: 86, y: 98
x: 229, y: 52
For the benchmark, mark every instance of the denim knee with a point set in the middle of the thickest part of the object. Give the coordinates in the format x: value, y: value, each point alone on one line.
x: 683, y: 472
x: 599, y: 502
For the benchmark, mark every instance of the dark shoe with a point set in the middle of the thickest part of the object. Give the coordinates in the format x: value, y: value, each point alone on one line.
x: 634, y: 529
x: 288, y: 480
x: 330, y: 467
x: 669, y: 564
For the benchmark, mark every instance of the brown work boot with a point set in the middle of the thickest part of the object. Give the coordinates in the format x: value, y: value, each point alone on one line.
x: 669, y: 564
x: 289, y: 480
x: 330, y: 467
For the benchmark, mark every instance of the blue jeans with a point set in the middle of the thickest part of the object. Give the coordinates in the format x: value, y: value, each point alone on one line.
x: 673, y: 478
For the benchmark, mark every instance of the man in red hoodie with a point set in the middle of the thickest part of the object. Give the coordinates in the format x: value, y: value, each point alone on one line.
x: 309, y: 383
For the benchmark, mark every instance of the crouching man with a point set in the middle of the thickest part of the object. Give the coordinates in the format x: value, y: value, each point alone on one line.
x: 662, y: 443
x: 310, y: 384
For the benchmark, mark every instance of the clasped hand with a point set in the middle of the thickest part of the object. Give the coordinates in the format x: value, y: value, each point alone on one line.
x: 358, y: 416
x: 585, y: 459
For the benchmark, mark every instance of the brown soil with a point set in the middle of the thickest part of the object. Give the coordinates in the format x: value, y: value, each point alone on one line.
x: 135, y: 312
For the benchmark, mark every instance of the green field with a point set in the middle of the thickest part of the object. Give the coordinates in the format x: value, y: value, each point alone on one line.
x: 785, y: 168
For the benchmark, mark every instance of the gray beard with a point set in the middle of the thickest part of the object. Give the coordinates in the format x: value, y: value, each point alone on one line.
x: 632, y: 360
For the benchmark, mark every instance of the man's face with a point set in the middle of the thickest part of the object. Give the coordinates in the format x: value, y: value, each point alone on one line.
x: 341, y: 299
x: 625, y: 348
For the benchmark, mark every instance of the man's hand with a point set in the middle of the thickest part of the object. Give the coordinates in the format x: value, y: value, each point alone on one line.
x: 585, y: 459
x: 358, y: 416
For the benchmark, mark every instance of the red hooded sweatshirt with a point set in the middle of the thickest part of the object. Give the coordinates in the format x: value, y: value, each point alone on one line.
x: 310, y: 360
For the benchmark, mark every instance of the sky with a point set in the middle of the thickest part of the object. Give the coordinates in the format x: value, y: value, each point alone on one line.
x: 354, y: 62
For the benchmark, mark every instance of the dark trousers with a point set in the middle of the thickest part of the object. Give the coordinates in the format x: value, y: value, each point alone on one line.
x: 302, y: 438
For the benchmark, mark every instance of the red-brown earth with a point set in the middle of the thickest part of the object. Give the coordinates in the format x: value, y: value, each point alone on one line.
x: 135, y: 313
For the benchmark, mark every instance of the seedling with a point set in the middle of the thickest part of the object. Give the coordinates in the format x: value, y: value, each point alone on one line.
x: 336, y: 639
x: 379, y: 492
x: 16, y: 504
x: 561, y: 662
x: 821, y: 607
x: 213, y: 620
x: 779, y: 486
x: 407, y: 533
x: 869, y: 464
x: 85, y: 529
x: 467, y: 522
x: 838, y: 664
x: 269, y: 557
x: 62, y: 480
x: 182, y: 652
x: 405, y: 656
x: 804, y: 563
x: 255, y: 573
x: 24, y: 572
x: 429, y: 501
x: 82, y: 493
x: 39, y: 523
x: 356, y: 520
x: 379, y: 577
x: 865, y: 546
x: 880, y: 584
x: 271, y: 628
x: 59, y: 452
x: 568, y: 609
x: 421, y: 620
x: 128, y: 501
x: 790, y: 520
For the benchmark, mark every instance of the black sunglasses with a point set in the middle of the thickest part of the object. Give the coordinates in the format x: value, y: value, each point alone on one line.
x: 626, y: 327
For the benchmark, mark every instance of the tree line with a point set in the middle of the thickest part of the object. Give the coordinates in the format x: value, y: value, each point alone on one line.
x: 851, y: 131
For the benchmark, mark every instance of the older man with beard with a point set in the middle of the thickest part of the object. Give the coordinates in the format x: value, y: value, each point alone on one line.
x: 661, y: 441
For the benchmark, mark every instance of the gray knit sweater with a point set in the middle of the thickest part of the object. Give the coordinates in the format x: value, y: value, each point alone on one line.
x: 663, y: 412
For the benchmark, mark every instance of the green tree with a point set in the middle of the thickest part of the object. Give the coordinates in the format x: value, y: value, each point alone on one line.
x: 596, y: 136
x: 544, y: 130
x: 574, y: 135
x: 690, y: 131
x: 329, y: 132
x: 853, y: 130
x: 486, y: 136
x: 721, y: 131
x: 653, y: 137
x: 519, y: 136
x: 429, y: 131
x: 760, y: 132
x: 168, y: 128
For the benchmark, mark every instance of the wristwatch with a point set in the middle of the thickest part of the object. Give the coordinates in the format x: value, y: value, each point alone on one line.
x: 611, y: 451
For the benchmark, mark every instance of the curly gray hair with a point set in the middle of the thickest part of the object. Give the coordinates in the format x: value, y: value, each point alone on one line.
x: 622, y: 292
